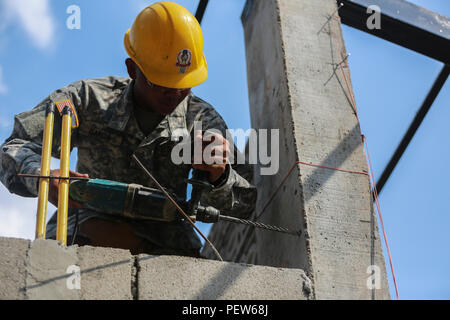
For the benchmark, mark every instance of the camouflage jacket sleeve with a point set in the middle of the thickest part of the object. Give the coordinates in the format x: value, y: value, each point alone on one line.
x: 234, y: 195
x: 21, y: 152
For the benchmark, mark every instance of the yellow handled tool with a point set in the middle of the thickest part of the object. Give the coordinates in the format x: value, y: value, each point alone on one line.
x: 63, y: 191
x: 41, y: 216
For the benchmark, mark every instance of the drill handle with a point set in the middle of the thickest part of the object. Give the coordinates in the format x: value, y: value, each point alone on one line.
x: 207, y: 214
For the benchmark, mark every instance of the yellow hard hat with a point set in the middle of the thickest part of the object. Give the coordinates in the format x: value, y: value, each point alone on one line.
x: 166, y: 42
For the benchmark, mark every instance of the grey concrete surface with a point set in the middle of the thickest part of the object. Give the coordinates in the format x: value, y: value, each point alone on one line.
x: 47, y: 265
x: 179, y: 278
x: 294, y: 52
x: 105, y: 273
x: 13, y: 254
x: 38, y: 270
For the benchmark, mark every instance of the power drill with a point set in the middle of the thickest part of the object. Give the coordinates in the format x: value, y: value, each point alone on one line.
x: 139, y: 202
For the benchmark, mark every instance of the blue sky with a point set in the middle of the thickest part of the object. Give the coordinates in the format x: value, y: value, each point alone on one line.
x: 38, y: 54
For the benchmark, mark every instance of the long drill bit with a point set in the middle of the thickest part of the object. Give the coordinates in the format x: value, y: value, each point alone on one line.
x: 261, y: 225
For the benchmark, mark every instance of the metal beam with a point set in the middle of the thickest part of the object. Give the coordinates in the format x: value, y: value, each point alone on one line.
x: 438, y: 84
x: 403, y: 23
x: 201, y: 10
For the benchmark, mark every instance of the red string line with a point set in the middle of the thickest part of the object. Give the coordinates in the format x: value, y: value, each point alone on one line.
x: 374, y: 187
x: 289, y: 173
x: 375, y: 193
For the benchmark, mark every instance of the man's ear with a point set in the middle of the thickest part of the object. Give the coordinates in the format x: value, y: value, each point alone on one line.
x: 131, y: 68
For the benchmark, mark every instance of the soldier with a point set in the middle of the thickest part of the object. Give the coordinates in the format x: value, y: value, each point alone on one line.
x: 121, y: 117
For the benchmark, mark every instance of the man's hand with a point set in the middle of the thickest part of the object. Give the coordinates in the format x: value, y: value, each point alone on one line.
x: 54, y: 184
x: 216, y: 153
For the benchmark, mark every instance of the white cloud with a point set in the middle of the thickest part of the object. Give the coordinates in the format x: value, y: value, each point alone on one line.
x: 5, y: 124
x: 34, y: 16
x: 17, y: 215
x: 3, y: 87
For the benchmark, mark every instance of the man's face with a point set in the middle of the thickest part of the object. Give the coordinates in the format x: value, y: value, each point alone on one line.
x: 159, y: 99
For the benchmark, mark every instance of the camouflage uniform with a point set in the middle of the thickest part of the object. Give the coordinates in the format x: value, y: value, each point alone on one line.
x: 107, y: 136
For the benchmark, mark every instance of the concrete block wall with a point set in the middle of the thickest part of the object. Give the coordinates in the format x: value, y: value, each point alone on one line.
x: 44, y: 270
x: 293, y: 49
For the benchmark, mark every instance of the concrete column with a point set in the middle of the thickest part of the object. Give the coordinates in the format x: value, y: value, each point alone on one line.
x: 295, y: 86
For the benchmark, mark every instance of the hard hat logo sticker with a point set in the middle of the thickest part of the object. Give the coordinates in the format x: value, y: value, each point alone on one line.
x: 184, y: 60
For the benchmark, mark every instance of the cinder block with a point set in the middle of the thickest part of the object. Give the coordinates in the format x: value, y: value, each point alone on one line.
x: 48, y: 271
x: 296, y: 74
x: 174, y: 277
x: 12, y: 268
x: 105, y: 273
